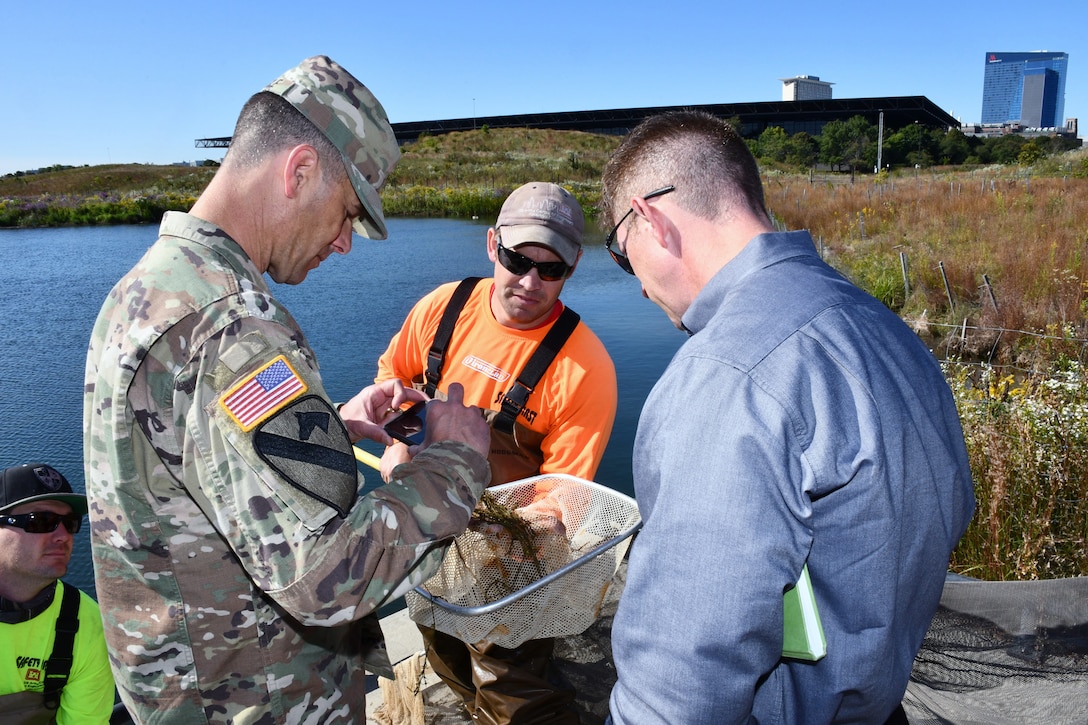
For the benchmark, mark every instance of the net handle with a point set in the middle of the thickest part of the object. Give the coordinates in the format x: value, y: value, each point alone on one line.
x: 367, y: 458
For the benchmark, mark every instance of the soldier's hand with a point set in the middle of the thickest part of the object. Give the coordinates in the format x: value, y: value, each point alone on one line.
x: 452, y: 420
x: 365, y: 414
x: 394, y: 455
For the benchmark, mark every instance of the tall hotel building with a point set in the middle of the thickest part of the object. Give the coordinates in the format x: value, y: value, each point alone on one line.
x: 805, y: 88
x: 1025, y: 87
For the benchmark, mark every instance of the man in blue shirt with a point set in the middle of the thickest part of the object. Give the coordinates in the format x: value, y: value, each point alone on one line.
x: 801, y: 423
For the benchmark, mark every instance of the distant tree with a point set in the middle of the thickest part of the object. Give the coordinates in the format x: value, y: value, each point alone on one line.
x: 851, y: 142
x: 1004, y: 149
x: 833, y: 144
x: 896, y: 147
x: 1056, y: 144
x: 773, y: 144
x: 802, y: 150
x: 918, y: 154
x: 1030, y: 152
x: 913, y: 145
x: 954, y: 147
x: 861, y: 150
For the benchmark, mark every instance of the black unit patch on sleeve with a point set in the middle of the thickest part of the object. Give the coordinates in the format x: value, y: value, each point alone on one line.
x: 307, y: 444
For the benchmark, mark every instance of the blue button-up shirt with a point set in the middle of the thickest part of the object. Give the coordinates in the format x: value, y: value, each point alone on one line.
x: 801, y: 422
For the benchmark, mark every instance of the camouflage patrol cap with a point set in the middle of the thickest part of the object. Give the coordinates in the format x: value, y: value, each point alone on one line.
x: 354, y: 121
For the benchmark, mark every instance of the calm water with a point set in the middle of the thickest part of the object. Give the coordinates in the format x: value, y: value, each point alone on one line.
x: 53, y: 281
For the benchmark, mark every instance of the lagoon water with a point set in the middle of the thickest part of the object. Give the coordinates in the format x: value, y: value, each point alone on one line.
x: 53, y: 281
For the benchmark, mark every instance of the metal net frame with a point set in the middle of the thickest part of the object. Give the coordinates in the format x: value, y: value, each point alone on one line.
x: 489, y: 588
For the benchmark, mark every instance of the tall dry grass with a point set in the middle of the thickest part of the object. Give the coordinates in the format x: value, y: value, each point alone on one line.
x: 996, y: 249
x: 1027, y: 438
x: 995, y: 273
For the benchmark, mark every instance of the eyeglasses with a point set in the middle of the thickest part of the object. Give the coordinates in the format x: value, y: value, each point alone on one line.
x: 520, y: 265
x: 42, y: 522
x: 619, y: 257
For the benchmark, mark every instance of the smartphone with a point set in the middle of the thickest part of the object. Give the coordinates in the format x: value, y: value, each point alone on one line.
x: 408, y: 426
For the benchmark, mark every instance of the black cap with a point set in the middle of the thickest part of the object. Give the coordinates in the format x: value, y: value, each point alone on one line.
x: 37, y: 482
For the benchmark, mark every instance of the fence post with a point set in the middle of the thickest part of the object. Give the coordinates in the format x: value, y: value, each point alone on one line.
x: 947, y: 289
x: 906, y: 279
x: 990, y: 290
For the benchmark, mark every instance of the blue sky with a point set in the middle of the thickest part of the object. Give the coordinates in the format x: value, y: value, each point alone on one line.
x: 138, y: 82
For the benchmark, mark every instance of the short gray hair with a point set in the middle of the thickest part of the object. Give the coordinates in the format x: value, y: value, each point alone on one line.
x: 269, y: 124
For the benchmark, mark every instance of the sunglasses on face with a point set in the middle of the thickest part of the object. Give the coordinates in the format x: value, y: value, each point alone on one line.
x: 617, y: 256
x: 42, y: 522
x: 520, y: 265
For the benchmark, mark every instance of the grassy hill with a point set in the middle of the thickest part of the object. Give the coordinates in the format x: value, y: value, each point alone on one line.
x: 110, y: 179
x: 458, y: 174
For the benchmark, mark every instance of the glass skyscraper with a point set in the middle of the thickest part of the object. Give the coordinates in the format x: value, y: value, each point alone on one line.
x: 1025, y: 87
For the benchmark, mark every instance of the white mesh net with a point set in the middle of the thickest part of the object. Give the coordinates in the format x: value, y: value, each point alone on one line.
x: 479, y: 590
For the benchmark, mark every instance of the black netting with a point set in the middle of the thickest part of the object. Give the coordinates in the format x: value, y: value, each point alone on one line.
x: 1004, y: 652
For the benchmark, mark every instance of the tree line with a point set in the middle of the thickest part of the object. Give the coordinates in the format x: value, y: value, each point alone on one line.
x: 853, y: 145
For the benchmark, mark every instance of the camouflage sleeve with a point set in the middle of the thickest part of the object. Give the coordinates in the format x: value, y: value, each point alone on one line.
x: 275, y: 472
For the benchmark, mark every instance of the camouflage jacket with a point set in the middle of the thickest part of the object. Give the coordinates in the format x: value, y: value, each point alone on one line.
x: 233, y: 554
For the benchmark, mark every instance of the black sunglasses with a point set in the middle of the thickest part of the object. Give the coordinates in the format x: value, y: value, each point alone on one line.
x: 42, y: 522
x: 619, y: 257
x: 520, y: 265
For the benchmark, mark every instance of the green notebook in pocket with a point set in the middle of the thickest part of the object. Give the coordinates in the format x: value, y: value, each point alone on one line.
x: 803, y: 634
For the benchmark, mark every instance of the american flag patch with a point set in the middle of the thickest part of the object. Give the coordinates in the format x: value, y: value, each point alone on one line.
x: 262, y: 393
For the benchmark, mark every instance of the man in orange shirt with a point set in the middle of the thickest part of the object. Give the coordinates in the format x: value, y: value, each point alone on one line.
x: 559, y: 423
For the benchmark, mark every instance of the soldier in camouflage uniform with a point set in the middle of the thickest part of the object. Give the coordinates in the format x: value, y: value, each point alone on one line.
x: 234, y: 559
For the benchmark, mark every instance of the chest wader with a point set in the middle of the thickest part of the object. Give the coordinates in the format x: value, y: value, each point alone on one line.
x: 40, y: 708
x: 501, y: 686
x: 515, y: 448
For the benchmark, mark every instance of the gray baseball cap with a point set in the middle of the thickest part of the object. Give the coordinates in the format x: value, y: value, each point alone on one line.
x: 354, y: 121
x: 37, y: 482
x: 542, y: 213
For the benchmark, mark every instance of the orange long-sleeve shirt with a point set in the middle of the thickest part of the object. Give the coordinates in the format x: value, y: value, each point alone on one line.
x: 573, y: 406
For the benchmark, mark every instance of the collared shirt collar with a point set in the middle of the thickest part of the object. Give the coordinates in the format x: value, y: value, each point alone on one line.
x: 216, y: 239
x: 761, y: 251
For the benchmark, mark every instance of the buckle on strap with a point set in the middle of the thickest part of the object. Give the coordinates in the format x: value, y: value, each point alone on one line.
x: 512, y: 404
